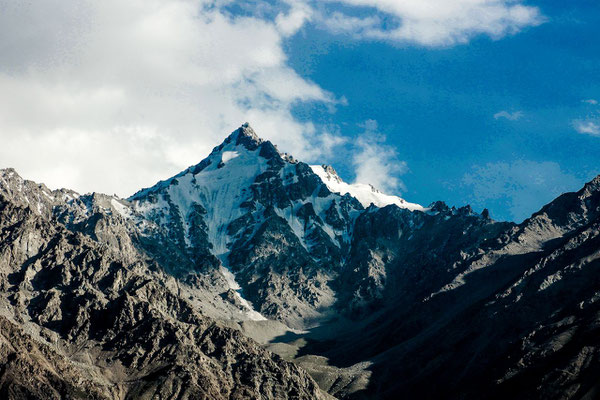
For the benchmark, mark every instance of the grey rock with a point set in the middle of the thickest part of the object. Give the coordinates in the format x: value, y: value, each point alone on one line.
x: 84, y: 321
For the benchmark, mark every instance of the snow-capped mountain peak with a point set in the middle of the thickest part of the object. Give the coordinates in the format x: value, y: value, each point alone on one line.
x: 365, y: 193
x: 245, y: 184
x: 245, y: 134
x: 245, y: 180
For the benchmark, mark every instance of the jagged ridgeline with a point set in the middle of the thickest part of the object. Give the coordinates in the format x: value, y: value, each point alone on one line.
x: 254, y: 275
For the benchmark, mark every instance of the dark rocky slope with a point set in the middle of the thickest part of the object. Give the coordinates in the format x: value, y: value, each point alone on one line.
x: 484, y: 311
x: 80, y: 320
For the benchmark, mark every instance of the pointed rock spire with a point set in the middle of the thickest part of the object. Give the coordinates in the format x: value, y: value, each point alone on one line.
x: 245, y: 136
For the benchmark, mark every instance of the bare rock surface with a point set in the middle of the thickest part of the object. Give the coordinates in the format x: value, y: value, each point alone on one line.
x: 82, y: 321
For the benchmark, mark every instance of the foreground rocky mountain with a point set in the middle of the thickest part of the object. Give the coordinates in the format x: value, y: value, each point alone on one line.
x: 85, y: 319
x: 168, y: 294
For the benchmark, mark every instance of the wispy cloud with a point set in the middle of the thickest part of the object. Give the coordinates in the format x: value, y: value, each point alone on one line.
x: 510, y: 116
x: 375, y: 162
x: 590, y: 101
x: 435, y: 22
x: 522, y: 186
x: 291, y: 21
x: 587, y: 127
x: 340, y: 23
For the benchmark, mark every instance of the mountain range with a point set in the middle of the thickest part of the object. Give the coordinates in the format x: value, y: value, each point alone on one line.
x: 255, y: 275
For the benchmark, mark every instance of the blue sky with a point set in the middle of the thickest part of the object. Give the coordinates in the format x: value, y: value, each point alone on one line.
x: 489, y: 102
x: 436, y: 107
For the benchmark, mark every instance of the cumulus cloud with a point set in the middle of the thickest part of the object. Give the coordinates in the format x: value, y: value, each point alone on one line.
x: 375, y: 162
x: 435, y: 22
x: 509, y: 116
x: 113, y: 95
x: 522, y: 186
x: 587, y: 127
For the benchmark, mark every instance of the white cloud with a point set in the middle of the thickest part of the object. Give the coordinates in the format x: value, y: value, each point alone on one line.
x: 590, y: 101
x: 290, y: 22
x: 376, y: 163
x: 523, y: 186
x: 437, y: 22
x: 114, y: 95
x: 509, y: 116
x: 587, y: 127
x: 340, y: 23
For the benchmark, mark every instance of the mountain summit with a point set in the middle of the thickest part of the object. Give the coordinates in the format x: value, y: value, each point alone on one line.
x: 244, y: 194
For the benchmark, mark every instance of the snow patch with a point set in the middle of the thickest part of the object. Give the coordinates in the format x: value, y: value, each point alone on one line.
x: 47, y: 195
x: 295, y: 223
x: 229, y: 155
x: 229, y: 278
x: 364, y: 193
x: 250, y: 312
x: 120, y: 208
